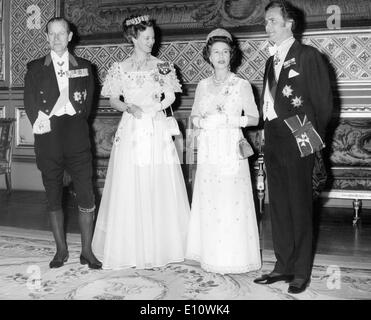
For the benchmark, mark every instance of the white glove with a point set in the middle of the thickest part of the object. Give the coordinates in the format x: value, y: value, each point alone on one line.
x: 238, y: 122
x: 42, y: 124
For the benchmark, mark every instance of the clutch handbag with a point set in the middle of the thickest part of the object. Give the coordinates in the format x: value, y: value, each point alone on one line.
x: 244, y: 149
x: 171, y: 124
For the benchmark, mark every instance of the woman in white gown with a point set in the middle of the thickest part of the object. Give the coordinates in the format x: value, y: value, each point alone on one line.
x: 223, y: 233
x: 144, y: 210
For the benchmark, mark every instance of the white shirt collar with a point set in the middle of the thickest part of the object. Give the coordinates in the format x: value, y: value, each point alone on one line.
x: 282, y: 48
x: 56, y: 57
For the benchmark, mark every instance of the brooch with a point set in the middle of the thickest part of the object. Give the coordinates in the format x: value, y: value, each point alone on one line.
x: 164, y: 67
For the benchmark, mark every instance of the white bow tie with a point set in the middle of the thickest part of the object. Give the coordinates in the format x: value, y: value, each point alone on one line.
x: 273, y: 50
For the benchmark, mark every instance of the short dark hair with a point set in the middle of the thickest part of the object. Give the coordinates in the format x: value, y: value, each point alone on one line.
x: 59, y: 19
x: 287, y: 9
x: 232, y: 45
x: 133, y: 30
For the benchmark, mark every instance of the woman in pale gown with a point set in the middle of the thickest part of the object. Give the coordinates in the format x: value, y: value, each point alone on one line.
x: 223, y: 233
x: 144, y: 211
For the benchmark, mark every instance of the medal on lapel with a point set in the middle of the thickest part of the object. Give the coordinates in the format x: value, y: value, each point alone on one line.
x: 276, y: 59
x: 60, y: 72
x: 77, y: 73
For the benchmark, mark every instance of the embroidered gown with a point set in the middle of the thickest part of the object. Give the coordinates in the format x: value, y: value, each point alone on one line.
x: 223, y: 233
x: 144, y: 210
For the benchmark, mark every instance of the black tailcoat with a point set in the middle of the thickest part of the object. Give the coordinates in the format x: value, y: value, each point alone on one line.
x: 304, y: 91
x: 67, y: 146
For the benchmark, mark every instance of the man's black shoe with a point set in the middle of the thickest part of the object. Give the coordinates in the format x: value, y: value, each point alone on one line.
x: 269, y: 278
x: 297, y: 286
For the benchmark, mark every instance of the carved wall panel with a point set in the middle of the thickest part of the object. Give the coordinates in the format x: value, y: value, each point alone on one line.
x: 349, y: 55
x: 95, y: 18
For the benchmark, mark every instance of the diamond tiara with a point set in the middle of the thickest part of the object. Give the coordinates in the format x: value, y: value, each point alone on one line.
x: 137, y: 20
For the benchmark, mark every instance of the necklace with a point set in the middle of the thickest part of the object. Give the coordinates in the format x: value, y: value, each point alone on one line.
x: 220, y: 82
x: 138, y: 64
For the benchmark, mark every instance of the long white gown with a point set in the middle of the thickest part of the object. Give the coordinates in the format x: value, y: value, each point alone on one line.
x: 144, y: 210
x: 223, y: 233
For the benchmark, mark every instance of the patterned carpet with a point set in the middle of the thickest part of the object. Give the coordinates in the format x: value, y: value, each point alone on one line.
x: 24, y: 274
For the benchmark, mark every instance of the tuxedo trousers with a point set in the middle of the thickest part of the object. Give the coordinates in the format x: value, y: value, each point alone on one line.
x: 290, y: 200
x: 66, y: 148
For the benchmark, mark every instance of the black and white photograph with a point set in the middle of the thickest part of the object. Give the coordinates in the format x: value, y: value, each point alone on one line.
x: 185, y: 155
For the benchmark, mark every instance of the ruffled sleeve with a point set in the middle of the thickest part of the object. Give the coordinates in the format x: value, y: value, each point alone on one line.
x: 168, y: 79
x: 112, y: 85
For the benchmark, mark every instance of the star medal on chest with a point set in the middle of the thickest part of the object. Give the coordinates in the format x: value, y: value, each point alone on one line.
x: 60, y: 72
x: 297, y: 102
x: 287, y: 91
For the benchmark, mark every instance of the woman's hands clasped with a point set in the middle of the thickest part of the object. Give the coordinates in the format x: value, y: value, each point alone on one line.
x: 134, y: 110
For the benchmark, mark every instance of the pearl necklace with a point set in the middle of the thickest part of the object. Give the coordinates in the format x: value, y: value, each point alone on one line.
x: 220, y: 82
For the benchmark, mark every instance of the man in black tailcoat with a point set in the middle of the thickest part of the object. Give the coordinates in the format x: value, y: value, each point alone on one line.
x: 58, y: 98
x: 297, y: 106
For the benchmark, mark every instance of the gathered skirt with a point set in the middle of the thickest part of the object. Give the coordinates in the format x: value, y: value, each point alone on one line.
x: 144, y: 211
x: 223, y: 233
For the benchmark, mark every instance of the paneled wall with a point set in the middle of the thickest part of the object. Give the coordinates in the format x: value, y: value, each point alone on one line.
x: 348, y: 51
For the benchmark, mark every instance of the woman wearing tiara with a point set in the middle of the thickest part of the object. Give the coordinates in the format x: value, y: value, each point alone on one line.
x: 223, y: 233
x: 144, y: 211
